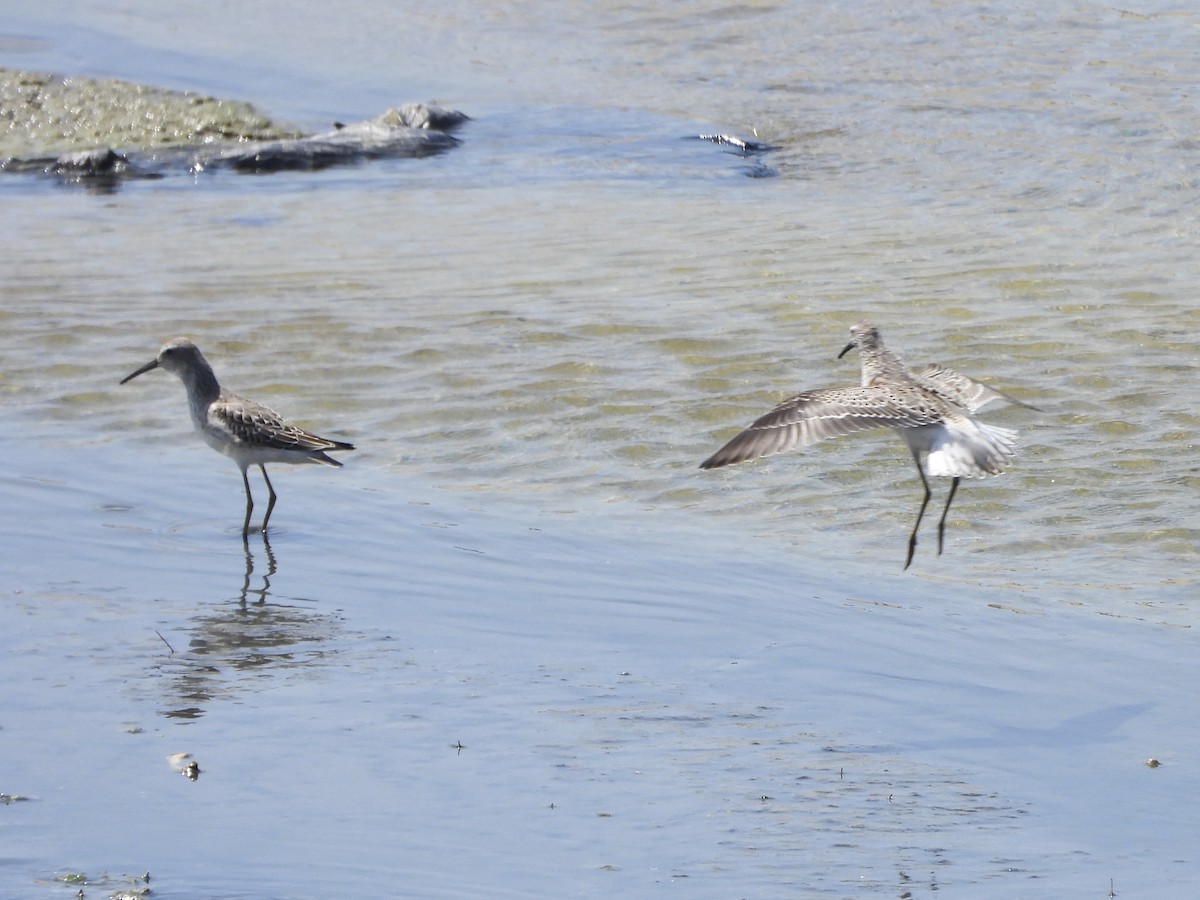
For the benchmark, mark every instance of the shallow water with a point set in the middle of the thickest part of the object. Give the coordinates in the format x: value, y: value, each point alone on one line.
x: 633, y: 709
x: 717, y: 680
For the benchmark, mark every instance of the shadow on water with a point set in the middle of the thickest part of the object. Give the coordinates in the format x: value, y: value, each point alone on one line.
x: 253, y: 635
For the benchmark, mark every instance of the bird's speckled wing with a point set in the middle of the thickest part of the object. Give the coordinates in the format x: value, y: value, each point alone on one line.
x: 256, y: 425
x: 816, y: 415
x: 958, y: 388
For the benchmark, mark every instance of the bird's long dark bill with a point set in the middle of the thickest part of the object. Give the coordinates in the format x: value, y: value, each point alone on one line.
x: 845, y: 350
x: 153, y: 364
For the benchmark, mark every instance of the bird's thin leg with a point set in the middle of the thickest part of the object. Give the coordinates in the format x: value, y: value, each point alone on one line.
x: 271, y: 502
x: 945, y: 512
x: 912, y: 538
x: 249, y: 506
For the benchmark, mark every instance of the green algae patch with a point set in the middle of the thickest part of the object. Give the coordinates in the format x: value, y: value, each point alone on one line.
x: 46, y: 115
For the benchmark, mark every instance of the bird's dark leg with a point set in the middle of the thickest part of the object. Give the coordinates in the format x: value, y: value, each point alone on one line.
x: 249, y: 506
x: 912, y: 538
x: 945, y: 512
x: 271, y: 502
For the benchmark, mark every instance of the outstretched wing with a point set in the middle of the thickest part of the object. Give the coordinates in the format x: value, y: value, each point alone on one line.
x: 961, y: 390
x: 816, y: 415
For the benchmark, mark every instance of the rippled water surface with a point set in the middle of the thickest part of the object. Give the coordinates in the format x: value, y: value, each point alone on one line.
x: 719, y: 680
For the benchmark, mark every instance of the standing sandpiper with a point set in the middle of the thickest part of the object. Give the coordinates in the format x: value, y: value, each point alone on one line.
x: 248, y: 433
x: 930, y: 408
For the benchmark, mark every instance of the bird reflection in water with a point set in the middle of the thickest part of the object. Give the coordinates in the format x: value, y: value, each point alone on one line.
x: 257, y: 633
x: 260, y: 594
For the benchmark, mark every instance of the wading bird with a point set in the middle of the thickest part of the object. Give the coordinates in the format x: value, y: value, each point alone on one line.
x: 931, y: 408
x: 247, y: 432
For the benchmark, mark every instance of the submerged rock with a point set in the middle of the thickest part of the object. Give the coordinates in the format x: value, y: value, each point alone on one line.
x: 412, y: 130
x: 102, y: 132
x: 48, y: 115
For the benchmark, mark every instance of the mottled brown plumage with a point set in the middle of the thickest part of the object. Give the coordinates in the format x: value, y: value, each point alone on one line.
x: 930, y: 408
x: 247, y: 432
